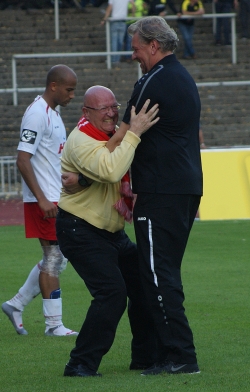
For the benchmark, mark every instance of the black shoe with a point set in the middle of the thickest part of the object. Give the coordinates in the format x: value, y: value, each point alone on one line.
x: 175, y: 368
x: 156, y: 368
x: 139, y: 365
x: 79, y: 371
x: 171, y: 368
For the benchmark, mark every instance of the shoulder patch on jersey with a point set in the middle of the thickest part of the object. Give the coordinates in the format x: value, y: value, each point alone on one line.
x: 28, y: 136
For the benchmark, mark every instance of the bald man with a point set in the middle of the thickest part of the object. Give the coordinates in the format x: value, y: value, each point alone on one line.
x: 90, y: 231
x: 42, y: 138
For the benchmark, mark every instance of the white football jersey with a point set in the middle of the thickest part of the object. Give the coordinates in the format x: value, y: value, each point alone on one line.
x: 43, y: 135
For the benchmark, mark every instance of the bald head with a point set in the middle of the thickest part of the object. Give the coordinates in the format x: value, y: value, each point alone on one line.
x: 60, y: 74
x: 60, y: 86
x: 98, y: 96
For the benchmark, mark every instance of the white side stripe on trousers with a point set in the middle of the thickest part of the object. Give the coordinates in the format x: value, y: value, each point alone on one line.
x: 151, y: 247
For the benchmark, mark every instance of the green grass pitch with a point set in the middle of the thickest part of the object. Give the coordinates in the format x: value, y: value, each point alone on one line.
x: 215, y: 271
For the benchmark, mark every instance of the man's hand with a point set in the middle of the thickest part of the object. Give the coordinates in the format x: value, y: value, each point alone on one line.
x: 70, y: 183
x: 141, y: 122
x: 49, y: 208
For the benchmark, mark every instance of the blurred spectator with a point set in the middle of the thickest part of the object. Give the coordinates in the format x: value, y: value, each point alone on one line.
x: 81, y: 4
x: 39, y: 4
x: 223, y: 24
x: 25, y: 4
x: 118, y: 9
x: 186, y: 26
x: 97, y: 3
x: 245, y: 18
x: 140, y: 10
x: 159, y: 7
x: 61, y: 3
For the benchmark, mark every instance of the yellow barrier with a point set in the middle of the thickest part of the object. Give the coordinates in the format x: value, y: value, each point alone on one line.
x: 226, y: 192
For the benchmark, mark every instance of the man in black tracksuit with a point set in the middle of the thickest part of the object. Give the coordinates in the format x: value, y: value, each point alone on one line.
x: 167, y: 178
x: 158, y: 7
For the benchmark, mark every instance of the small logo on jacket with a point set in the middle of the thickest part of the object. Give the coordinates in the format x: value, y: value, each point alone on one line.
x: 141, y: 218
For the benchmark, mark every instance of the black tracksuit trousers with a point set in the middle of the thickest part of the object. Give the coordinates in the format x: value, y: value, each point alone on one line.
x: 162, y: 225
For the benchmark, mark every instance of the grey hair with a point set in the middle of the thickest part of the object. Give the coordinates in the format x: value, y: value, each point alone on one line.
x: 155, y: 27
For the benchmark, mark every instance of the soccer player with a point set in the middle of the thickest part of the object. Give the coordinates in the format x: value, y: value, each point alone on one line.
x: 42, y: 137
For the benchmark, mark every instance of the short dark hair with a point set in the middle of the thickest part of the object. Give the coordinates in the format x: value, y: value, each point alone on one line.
x: 59, y: 73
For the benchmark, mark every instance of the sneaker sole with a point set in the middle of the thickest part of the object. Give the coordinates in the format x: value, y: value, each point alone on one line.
x: 7, y: 309
x: 50, y: 332
x: 157, y: 374
x: 170, y: 371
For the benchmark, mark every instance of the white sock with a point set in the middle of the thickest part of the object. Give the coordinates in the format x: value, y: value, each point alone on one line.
x: 28, y: 291
x: 52, y: 310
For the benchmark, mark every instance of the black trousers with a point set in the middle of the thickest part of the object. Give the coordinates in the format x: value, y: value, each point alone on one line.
x: 223, y: 23
x: 162, y: 225
x: 108, y: 264
x: 245, y: 17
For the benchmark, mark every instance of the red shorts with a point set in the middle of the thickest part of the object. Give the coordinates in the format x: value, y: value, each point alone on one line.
x: 35, y: 224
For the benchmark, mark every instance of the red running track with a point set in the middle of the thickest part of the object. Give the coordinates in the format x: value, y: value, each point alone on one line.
x: 11, y: 212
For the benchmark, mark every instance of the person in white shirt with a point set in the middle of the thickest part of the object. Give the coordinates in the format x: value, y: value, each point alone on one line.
x: 118, y: 9
x: 42, y: 137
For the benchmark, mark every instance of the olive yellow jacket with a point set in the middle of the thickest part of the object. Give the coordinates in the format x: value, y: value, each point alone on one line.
x: 83, y: 154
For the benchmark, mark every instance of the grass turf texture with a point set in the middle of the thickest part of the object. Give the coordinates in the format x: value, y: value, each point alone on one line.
x: 216, y: 283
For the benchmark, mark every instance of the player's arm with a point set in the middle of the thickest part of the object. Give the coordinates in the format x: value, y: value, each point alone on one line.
x: 27, y: 172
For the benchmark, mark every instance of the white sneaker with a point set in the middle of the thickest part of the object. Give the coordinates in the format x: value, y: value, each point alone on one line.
x: 15, y: 317
x: 60, y: 330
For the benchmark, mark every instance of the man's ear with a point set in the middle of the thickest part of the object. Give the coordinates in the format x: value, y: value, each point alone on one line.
x: 53, y: 86
x: 154, y: 45
x: 85, y: 112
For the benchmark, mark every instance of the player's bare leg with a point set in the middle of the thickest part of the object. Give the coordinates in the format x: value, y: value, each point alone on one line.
x: 50, y: 289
